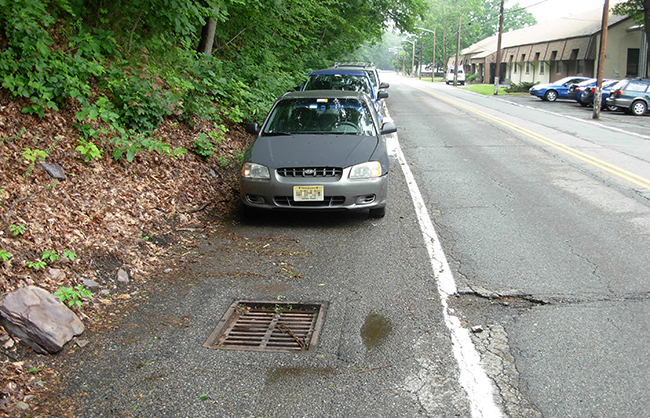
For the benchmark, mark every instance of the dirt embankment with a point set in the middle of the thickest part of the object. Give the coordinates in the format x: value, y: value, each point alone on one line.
x: 104, y: 216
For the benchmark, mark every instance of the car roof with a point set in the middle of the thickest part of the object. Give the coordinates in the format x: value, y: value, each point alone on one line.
x: 334, y: 71
x: 363, y: 64
x: 326, y: 94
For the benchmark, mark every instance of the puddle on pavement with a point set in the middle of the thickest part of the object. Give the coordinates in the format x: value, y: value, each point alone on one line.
x: 375, y: 330
x: 283, y: 374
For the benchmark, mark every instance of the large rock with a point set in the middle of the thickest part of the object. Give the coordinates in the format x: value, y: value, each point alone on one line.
x: 39, y: 319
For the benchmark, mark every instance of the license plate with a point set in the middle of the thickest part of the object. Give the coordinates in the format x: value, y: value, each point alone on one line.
x: 307, y: 193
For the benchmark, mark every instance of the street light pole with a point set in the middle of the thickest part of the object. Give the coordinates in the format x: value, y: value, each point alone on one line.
x: 433, y: 63
x: 412, y: 56
x: 457, y: 54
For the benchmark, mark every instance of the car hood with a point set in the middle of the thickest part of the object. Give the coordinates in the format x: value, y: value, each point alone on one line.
x: 312, y: 150
x: 542, y: 86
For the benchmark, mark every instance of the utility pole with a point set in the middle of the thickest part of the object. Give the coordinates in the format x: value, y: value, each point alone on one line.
x: 498, y: 63
x: 457, y: 54
x: 420, y: 62
x: 412, y: 59
x: 601, y: 63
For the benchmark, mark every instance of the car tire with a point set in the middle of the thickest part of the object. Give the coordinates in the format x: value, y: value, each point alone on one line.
x: 583, y: 104
x: 550, y: 96
x: 638, y: 108
x: 611, y: 108
x: 378, y: 212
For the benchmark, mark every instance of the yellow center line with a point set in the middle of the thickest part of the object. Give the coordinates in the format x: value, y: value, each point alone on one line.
x: 610, y: 168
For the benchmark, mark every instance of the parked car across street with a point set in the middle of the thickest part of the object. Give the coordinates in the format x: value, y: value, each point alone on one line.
x: 631, y: 95
x: 557, y: 90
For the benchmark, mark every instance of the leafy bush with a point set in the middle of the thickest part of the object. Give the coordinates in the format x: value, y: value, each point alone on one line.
x: 522, y: 87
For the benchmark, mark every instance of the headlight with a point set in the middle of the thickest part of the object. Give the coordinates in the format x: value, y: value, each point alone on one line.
x: 366, y: 170
x: 255, y: 171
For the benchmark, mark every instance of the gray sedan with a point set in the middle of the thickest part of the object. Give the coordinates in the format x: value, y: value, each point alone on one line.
x: 318, y: 150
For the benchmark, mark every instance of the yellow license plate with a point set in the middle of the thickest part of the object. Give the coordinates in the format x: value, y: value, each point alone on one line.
x: 308, y: 193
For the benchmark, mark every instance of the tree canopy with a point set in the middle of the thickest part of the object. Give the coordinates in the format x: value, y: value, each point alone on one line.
x: 638, y: 9
x: 134, y: 62
x: 479, y: 19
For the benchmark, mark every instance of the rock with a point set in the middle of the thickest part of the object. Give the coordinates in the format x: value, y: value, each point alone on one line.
x: 90, y: 284
x: 476, y: 329
x: 54, y: 170
x: 56, y: 274
x: 39, y: 319
x: 22, y: 405
x: 122, y: 276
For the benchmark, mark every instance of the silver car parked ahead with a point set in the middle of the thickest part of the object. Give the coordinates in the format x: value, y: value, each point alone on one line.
x: 318, y: 150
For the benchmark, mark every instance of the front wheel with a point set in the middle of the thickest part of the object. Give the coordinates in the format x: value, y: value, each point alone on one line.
x: 550, y: 96
x: 638, y: 108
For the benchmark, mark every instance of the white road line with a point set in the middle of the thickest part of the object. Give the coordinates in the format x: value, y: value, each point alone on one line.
x: 472, y: 378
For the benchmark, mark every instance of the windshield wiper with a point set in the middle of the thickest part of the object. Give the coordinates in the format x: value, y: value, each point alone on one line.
x: 277, y: 134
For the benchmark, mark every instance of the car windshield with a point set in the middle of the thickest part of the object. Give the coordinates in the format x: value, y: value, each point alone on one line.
x: 350, y: 82
x: 319, y: 116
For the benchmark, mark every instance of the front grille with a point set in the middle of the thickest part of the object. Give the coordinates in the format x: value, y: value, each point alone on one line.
x: 310, y: 172
x: 328, y: 202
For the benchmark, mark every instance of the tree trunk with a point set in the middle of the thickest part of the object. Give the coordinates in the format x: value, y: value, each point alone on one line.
x: 646, y: 24
x: 207, y: 35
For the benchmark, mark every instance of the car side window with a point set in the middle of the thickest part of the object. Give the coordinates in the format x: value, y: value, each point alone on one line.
x: 636, y: 86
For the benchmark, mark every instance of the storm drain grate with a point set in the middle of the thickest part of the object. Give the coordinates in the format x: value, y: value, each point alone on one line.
x: 268, y: 326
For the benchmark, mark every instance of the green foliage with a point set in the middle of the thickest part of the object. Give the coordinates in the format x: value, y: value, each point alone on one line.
x: 129, y: 143
x: 36, y: 265
x: 205, y: 145
x: 34, y: 155
x: 69, y: 254
x: 89, y: 150
x: 50, y: 255
x: 4, y: 256
x: 17, y: 229
x: 522, y: 87
x: 73, y: 296
x: 130, y: 64
x: 139, y: 99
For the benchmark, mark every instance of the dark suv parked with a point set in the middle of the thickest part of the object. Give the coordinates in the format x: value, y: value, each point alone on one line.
x: 632, y: 95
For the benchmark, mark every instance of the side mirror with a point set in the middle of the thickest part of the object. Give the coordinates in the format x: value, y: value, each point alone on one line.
x: 253, y: 128
x: 383, y: 94
x: 384, y: 85
x: 388, y: 128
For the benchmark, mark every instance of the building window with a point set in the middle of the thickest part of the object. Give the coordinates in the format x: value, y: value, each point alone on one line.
x: 536, y: 56
x: 580, y: 66
x: 514, y: 65
x: 541, y: 68
x: 527, y: 67
x: 558, y: 67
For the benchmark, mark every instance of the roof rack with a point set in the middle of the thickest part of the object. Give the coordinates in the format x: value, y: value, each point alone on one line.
x: 364, y: 64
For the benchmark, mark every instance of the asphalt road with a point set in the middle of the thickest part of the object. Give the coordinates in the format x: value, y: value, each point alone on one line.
x: 493, y: 224
x: 384, y: 350
x: 546, y: 212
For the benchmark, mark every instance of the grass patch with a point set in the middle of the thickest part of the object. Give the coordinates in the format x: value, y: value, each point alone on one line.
x: 485, y: 89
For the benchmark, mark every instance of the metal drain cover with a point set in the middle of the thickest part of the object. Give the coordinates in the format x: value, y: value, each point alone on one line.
x: 268, y: 326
